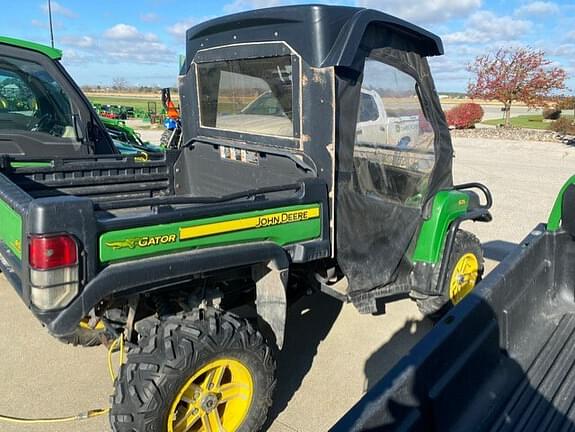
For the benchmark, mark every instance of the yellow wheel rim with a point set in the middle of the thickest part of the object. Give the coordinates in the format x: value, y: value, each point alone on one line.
x: 217, y: 398
x: 84, y: 324
x: 464, y: 277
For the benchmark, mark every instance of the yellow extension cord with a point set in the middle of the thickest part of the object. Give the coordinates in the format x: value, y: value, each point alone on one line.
x: 82, y: 416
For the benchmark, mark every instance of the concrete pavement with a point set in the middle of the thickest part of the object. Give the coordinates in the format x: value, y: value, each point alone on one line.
x: 332, y: 353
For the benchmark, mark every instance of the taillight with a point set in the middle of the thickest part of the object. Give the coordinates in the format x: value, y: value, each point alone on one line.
x: 54, y: 274
x: 52, y: 252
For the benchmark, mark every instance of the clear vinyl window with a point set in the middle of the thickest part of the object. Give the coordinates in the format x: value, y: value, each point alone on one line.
x: 31, y: 101
x: 248, y: 95
x: 394, y: 142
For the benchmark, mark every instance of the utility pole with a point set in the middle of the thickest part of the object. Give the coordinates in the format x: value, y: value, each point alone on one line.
x: 51, y: 28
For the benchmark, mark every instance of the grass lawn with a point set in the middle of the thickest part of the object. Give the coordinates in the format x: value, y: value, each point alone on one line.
x: 138, y: 103
x: 525, y: 121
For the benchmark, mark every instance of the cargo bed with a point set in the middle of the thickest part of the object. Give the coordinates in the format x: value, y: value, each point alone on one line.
x: 136, y: 227
x: 502, y: 360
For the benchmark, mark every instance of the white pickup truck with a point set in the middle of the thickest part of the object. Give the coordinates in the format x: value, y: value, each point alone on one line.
x: 376, y: 127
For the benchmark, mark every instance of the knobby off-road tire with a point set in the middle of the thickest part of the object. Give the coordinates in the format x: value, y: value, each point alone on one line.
x: 159, y: 370
x: 167, y: 136
x: 465, y: 243
x: 83, y: 337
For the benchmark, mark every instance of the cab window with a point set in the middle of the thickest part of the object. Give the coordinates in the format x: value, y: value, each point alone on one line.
x: 31, y: 101
x: 247, y: 95
x: 394, y: 143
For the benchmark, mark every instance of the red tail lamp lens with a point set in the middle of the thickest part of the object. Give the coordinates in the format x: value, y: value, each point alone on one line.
x: 52, y: 252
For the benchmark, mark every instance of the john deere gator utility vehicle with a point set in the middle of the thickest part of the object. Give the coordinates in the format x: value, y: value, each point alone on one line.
x: 287, y: 178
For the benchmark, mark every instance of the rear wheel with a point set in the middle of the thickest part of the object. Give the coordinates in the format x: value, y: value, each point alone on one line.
x: 463, y: 273
x: 85, y: 335
x: 170, y: 138
x: 210, y: 375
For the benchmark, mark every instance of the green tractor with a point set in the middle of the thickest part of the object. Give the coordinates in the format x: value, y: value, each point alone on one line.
x: 126, y: 139
x: 315, y: 155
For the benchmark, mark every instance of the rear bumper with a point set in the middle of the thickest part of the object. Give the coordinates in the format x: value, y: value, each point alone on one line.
x: 150, y: 274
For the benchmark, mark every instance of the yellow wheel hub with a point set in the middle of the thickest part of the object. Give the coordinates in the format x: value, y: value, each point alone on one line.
x: 217, y: 398
x: 84, y: 324
x: 464, y: 277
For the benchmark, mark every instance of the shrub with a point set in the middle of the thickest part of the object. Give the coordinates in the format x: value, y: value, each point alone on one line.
x: 551, y: 113
x: 464, y: 116
x: 564, y: 126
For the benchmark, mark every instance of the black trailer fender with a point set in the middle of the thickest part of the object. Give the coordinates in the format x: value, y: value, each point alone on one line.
x: 270, y: 263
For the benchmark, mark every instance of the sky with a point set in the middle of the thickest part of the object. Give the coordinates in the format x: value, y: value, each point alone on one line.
x: 140, y: 41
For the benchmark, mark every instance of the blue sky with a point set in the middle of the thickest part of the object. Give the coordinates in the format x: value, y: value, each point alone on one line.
x: 140, y: 40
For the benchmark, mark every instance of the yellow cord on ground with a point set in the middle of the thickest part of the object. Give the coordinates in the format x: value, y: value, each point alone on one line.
x: 82, y: 416
x: 78, y: 417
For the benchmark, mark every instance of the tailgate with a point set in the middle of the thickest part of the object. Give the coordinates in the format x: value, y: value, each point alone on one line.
x: 11, y: 229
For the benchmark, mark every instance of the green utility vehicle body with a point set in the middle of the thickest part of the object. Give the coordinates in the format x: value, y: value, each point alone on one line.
x: 126, y: 140
x: 278, y: 187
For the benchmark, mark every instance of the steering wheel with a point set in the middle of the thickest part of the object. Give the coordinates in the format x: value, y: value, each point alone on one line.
x: 43, y: 124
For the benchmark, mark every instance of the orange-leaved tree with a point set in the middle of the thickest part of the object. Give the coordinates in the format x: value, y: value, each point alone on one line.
x: 515, y: 74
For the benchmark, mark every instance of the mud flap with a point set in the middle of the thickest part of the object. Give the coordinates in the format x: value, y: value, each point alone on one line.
x: 271, y: 301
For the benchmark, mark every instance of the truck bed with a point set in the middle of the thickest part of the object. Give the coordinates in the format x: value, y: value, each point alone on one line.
x: 502, y: 360
x: 103, y: 179
x: 543, y: 399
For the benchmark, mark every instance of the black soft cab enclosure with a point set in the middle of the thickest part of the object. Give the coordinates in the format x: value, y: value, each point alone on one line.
x: 501, y: 360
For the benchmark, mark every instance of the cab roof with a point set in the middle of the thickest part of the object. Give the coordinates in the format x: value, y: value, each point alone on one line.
x: 53, y: 53
x: 323, y: 35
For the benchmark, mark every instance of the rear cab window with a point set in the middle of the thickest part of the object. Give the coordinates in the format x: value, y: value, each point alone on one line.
x: 253, y: 96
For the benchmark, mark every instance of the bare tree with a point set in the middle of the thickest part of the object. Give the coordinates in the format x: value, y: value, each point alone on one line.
x: 119, y: 83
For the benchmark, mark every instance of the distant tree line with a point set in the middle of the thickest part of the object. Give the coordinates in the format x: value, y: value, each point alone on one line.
x: 120, y: 84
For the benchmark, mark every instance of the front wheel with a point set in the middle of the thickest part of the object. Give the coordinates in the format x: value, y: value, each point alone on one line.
x: 464, y: 271
x: 209, y: 375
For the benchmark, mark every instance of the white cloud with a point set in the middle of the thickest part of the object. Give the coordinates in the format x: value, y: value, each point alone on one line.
x: 567, y: 50
x: 243, y: 5
x: 145, y: 52
x: 178, y: 29
x: 78, y: 41
x: 424, y: 12
x: 121, y: 43
x: 149, y: 17
x: 44, y: 24
x: 538, y: 8
x: 484, y: 26
x: 58, y: 9
x: 125, y: 32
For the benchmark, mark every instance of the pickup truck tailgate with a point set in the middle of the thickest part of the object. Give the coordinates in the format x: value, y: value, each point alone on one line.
x: 502, y: 360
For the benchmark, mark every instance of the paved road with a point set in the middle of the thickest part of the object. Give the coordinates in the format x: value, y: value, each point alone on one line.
x: 332, y: 353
